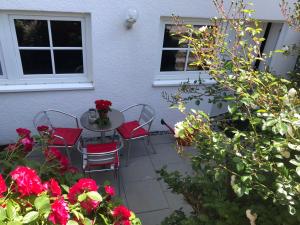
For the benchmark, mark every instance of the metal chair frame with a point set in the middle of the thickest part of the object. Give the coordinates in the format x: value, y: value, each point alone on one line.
x: 45, y: 114
x: 147, y: 115
x: 102, y: 158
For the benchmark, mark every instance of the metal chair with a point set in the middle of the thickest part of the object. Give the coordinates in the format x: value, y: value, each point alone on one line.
x: 138, y: 129
x: 62, y: 137
x: 102, y: 157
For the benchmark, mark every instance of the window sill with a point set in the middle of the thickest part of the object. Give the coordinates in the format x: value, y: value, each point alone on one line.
x: 176, y: 83
x: 45, y: 87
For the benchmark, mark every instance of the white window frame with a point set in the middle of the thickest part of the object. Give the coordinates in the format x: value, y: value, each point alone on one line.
x: 3, y: 75
x: 166, y: 78
x: 12, y: 59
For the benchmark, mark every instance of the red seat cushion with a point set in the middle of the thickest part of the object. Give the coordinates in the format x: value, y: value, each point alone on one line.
x: 102, y: 148
x: 126, y: 129
x: 71, y: 136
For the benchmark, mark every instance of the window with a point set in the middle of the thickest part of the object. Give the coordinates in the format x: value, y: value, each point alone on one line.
x: 49, y: 48
x: 1, y: 64
x: 176, y: 57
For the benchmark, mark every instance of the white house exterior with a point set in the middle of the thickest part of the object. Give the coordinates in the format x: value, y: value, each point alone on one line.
x: 119, y: 64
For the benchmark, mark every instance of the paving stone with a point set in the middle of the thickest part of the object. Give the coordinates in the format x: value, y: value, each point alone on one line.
x: 145, y: 196
x: 138, y: 169
x: 162, y: 139
x: 176, y: 202
x: 154, y: 218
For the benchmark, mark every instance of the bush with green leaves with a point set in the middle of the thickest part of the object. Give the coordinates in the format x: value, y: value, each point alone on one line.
x: 247, y: 170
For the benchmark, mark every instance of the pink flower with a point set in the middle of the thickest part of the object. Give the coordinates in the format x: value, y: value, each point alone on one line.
x: 53, y: 187
x: 55, y: 154
x: 59, y: 212
x: 42, y: 128
x: 23, y: 132
x: 27, y: 143
x: 109, y: 190
x: 84, y: 185
x: 27, y: 181
x: 3, y: 187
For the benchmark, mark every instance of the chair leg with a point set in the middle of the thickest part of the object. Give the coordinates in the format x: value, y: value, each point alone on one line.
x: 128, y: 151
x: 150, y: 143
x: 117, y: 176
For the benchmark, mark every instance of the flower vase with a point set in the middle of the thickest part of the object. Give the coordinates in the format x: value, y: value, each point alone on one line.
x: 103, y: 117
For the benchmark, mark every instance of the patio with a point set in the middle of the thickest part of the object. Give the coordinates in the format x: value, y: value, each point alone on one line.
x: 149, y: 198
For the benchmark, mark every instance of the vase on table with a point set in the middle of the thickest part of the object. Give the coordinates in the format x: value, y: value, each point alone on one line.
x: 103, y: 117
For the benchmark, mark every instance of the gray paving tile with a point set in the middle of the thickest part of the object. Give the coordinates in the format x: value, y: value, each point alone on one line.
x: 138, y: 149
x: 144, y: 196
x: 162, y: 139
x: 176, y: 201
x: 138, y: 169
x: 154, y: 218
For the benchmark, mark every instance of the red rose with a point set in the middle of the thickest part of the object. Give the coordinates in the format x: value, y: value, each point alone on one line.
x: 121, y: 212
x: 103, y: 104
x: 55, y: 154
x: 109, y: 190
x: 27, y: 181
x: 53, y: 187
x: 27, y: 143
x: 23, y: 132
x: 3, y: 187
x: 84, y: 185
x: 59, y: 212
x: 42, y: 128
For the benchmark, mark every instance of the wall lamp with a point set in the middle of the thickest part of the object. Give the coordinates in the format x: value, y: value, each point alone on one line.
x: 131, y: 18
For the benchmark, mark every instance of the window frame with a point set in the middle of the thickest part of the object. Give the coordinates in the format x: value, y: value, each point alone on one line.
x: 3, y: 75
x: 181, y: 76
x: 15, y: 76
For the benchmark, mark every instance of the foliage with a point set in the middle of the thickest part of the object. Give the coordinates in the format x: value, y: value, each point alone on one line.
x: 32, y: 196
x: 249, y: 160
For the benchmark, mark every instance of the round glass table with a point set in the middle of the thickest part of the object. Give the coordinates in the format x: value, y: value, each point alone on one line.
x: 116, y: 119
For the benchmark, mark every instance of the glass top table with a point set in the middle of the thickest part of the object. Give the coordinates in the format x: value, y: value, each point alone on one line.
x: 116, y: 119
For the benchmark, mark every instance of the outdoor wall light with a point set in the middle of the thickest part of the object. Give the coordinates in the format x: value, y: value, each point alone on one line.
x: 131, y: 18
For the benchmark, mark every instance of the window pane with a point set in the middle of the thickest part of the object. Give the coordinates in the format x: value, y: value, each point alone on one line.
x: 32, y: 33
x: 1, y: 72
x: 68, y: 61
x: 66, y: 33
x: 171, y: 40
x: 36, y: 61
x: 173, y: 60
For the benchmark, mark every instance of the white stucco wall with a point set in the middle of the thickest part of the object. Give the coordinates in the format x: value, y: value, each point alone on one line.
x: 124, y: 61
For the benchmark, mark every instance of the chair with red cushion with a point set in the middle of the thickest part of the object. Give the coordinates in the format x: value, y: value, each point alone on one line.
x: 102, y: 157
x: 62, y: 136
x: 139, y: 128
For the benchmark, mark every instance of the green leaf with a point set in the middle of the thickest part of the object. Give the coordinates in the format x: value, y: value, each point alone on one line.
x: 87, y: 221
x: 298, y: 170
x: 30, y: 217
x: 65, y: 187
x: 11, y: 210
x: 2, y: 214
x: 232, y: 108
x: 42, y: 203
x: 14, y: 223
x: 81, y: 197
x: 240, y: 166
x: 94, y: 195
x: 72, y: 222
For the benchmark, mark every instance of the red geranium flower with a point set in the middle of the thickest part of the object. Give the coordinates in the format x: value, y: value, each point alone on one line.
x: 121, y: 212
x: 59, y: 212
x: 103, y: 104
x: 27, y: 143
x: 3, y: 187
x: 109, y: 190
x: 23, y: 132
x: 53, y: 187
x: 42, y: 128
x: 28, y: 182
x: 55, y: 154
x: 84, y: 185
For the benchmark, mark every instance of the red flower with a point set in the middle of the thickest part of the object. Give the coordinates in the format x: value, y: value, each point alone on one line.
x: 84, y: 185
x: 59, y: 212
x: 23, y: 132
x: 53, y: 187
x: 109, y: 190
x: 55, y: 154
x: 3, y: 187
x: 28, y: 182
x: 73, y: 170
x: 103, y: 104
x: 121, y: 212
x: 42, y: 128
x: 27, y: 143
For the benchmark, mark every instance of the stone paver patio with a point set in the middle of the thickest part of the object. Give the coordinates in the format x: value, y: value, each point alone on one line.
x: 149, y: 198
